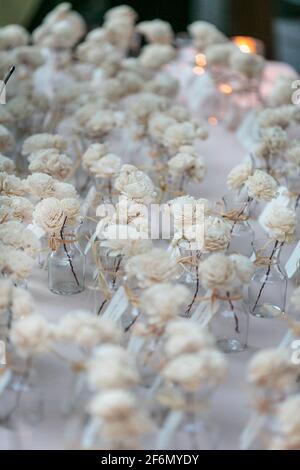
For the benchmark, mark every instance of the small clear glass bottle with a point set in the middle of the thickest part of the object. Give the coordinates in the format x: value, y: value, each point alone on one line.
x: 242, y: 234
x: 230, y: 325
x: 190, y: 278
x: 268, y: 286
x: 66, y: 264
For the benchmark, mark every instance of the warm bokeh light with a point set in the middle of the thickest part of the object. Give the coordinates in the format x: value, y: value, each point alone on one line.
x: 200, y: 60
x: 198, y: 70
x: 225, y: 88
x: 213, y: 121
x: 246, y: 44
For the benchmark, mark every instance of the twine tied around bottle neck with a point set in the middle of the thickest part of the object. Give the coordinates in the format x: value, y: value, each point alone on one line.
x: 235, y: 215
x: 55, y: 241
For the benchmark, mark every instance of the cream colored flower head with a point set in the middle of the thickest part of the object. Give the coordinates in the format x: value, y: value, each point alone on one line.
x: 154, y: 266
x: 157, y: 125
x: 156, y: 31
x: 121, y: 11
x: 192, y: 371
x: 13, y: 35
x: 11, y: 185
x: 218, y: 55
x: 239, y: 175
x: 111, y: 366
x: 292, y: 154
x: 124, y: 240
x: 38, y: 142
x: 102, y: 122
x: 244, y: 268
x: 271, y: 117
x: 261, y: 186
x: 71, y: 208
x: 15, y: 263
x: 144, y: 105
x: 135, y: 184
x: 163, y: 85
x: 62, y: 190
x: 184, y: 133
x: 162, y: 302
x: 154, y: 56
x: 275, y: 139
x: 52, y: 162
x: 279, y: 222
x: 49, y: 215
x: 218, y: 273
x: 31, y: 335
x: 281, y: 93
x: 6, y: 165
x: 249, y: 65
x: 93, y: 154
x: 216, y: 234
x: 186, y: 337
x: 22, y: 302
x: 62, y: 28
x: 40, y: 185
x: 187, y: 163
x: 86, y: 330
x: 15, y: 234
x: 106, y: 167
x: 115, y: 405
x: 205, y: 34
x: 273, y: 369
x: 288, y: 425
x: 15, y: 207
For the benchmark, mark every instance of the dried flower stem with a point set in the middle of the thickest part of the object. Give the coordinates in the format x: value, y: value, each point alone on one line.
x: 67, y: 253
x: 237, y: 328
x: 267, y: 275
x: 188, y: 310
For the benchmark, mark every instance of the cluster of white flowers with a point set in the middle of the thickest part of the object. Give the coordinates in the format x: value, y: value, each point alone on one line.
x: 41, y: 186
x: 85, y: 330
x: 51, y: 162
x: 156, y: 31
x: 62, y: 28
x: 14, y: 233
x: 187, y: 162
x: 205, y: 34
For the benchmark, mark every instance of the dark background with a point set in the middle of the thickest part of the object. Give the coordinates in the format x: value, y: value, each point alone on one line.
x: 276, y: 22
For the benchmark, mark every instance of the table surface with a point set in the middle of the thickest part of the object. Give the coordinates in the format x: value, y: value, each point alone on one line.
x: 230, y: 406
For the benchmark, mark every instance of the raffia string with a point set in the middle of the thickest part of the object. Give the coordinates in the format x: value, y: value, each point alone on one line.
x: 132, y: 297
x: 54, y: 241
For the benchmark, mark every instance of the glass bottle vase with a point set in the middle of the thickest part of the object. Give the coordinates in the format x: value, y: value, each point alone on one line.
x: 230, y: 325
x: 66, y: 264
x: 267, y: 290
x: 242, y: 234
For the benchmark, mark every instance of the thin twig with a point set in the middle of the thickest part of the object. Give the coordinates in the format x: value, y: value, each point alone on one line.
x: 237, y: 328
x: 67, y: 253
x: 267, y: 276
